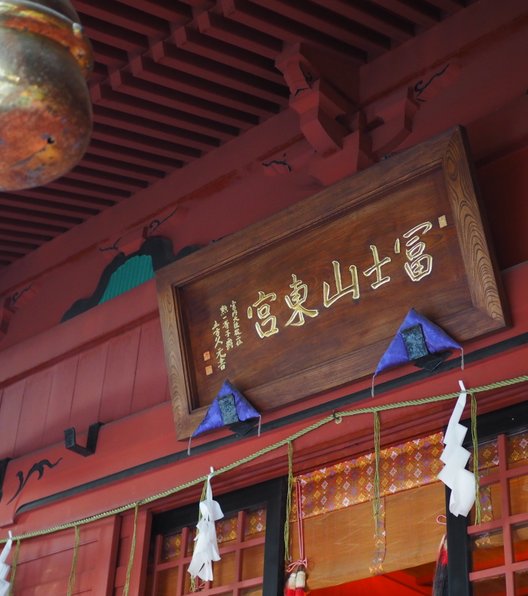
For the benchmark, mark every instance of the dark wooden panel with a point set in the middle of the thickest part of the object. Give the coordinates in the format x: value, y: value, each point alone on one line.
x: 405, y: 233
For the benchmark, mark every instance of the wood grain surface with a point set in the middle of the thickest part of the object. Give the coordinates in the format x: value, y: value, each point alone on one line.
x: 310, y: 298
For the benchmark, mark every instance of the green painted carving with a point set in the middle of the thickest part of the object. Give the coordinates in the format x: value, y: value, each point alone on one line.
x: 132, y: 273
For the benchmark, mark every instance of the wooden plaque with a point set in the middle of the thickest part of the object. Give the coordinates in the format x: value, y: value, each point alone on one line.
x: 310, y: 298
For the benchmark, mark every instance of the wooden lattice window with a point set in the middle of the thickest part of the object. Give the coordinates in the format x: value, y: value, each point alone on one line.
x: 499, y: 545
x: 497, y: 548
x: 250, y: 543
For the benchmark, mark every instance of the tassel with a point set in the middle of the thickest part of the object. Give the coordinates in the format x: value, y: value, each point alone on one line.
x: 300, y: 583
x: 289, y: 588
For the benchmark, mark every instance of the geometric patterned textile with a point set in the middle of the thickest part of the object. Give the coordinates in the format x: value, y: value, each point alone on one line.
x: 518, y: 448
x: 517, y: 452
x: 350, y: 482
x: 255, y: 524
x: 402, y: 467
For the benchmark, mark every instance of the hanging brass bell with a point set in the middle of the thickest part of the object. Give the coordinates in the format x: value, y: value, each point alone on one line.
x: 45, y: 109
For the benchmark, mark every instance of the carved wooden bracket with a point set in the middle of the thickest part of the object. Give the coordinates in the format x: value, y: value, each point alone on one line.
x: 319, y: 109
x: 354, y: 156
x: 390, y: 121
x: 344, y: 136
x: 317, y: 98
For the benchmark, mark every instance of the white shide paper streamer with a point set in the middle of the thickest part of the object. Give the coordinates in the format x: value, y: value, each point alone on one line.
x: 455, y: 457
x: 4, y: 567
x: 206, y: 546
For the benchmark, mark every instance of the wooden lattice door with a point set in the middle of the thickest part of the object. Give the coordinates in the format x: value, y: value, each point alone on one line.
x: 249, y: 539
x: 491, y: 558
x: 499, y: 545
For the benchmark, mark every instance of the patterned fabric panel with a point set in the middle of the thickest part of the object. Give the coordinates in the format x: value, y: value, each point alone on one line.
x: 402, y: 467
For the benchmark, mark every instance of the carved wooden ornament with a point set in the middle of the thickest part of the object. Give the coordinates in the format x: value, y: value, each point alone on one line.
x: 309, y: 299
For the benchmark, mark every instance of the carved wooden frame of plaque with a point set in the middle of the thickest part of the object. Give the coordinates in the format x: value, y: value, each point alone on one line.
x: 216, y: 326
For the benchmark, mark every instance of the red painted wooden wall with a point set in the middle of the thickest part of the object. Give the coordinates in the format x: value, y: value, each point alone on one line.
x: 112, y: 379
x: 108, y: 364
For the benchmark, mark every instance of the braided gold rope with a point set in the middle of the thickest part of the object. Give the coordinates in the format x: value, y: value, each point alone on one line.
x: 264, y: 451
x: 14, y: 565
x: 474, y: 440
x: 126, y: 587
x: 378, y: 515
x: 75, y: 556
x: 287, y: 555
x: 376, y: 501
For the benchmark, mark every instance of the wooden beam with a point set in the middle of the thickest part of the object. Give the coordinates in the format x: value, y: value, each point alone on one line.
x: 224, y: 74
x: 28, y: 225
x: 142, y: 158
x: 413, y: 11
x: 390, y: 25
x: 67, y: 197
x: 17, y: 245
x: 261, y: 19
x: 126, y: 83
x: 119, y: 167
x: 172, y: 11
x: 152, y: 128
x: 18, y: 234
x: 325, y: 22
x: 127, y: 183
x: 127, y: 17
x: 220, y: 52
x: 99, y: 190
x: 109, y: 55
x: 238, y: 35
x: 226, y: 96
x: 52, y: 207
x: 115, y: 36
x: 147, y: 108
x: 150, y: 145
x: 448, y: 6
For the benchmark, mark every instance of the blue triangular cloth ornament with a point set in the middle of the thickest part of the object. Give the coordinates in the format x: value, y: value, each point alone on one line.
x: 229, y: 408
x: 420, y: 341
